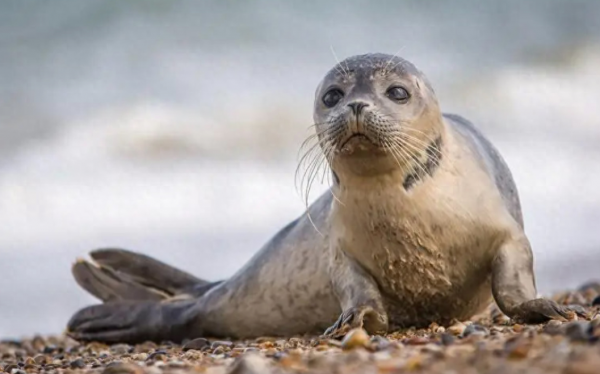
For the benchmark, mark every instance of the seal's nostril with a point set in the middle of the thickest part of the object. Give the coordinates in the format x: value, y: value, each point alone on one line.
x: 357, y: 107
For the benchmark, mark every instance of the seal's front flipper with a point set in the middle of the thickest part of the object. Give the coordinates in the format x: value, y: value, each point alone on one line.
x: 514, y: 290
x: 363, y: 316
x: 135, y: 322
x: 360, y: 299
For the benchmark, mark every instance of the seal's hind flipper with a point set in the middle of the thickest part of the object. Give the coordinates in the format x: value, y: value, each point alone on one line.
x: 135, y: 322
x: 108, y: 285
x: 146, y: 270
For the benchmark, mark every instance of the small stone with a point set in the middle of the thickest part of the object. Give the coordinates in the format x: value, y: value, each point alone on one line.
x: 266, y: 345
x: 475, y: 329
x: 596, y: 301
x: 355, y: 338
x: 40, y: 359
x: 457, y: 329
x: 417, y: 340
x: 250, y: 363
x: 381, y: 356
x: 393, y: 365
x: 578, y: 331
x: 517, y: 347
x: 414, y: 363
x: 447, y: 339
x: 357, y: 355
x: 553, y: 327
x: 264, y: 339
x: 221, y: 343
x: 197, y: 344
x: 593, y: 285
x: 49, y: 349
x: 177, y: 364
x: 10, y: 367
x: 275, y: 354
x: 518, y: 328
x: 379, y: 343
x: 218, y: 351
x: 122, y: 368
x: 120, y: 349
x: 435, y: 350
x: 158, y: 355
x: 333, y: 343
x: 77, y: 364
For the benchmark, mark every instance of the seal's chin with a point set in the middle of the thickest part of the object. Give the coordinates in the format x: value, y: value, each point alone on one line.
x: 357, y: 143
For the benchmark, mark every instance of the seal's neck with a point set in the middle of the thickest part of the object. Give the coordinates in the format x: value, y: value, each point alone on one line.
x: 426, y: 165
x: 415, y: 167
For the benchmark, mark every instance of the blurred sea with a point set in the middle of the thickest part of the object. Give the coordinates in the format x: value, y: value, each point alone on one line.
x: 172, y: 128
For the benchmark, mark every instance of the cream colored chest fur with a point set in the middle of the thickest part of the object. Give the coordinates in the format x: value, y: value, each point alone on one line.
x: 438, y: 238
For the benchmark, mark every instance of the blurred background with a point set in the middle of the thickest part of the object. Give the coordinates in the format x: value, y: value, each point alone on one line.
x: 173, y: 128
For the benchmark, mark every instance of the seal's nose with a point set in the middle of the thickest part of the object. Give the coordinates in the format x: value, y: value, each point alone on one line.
x: 357, y: 106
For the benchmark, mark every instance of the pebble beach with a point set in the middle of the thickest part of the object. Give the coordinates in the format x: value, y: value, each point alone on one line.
x: 488, y: 343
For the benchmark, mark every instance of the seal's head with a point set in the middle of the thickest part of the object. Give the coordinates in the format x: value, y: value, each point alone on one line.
x: 374, y: 112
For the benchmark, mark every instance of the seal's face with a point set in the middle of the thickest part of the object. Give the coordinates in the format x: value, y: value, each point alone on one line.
x: 374, y: 106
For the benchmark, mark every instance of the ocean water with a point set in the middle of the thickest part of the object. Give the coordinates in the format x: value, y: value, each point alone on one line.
x: 173, y: 129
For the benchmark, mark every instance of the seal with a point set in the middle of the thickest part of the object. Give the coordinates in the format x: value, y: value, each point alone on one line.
x: 422, y: 223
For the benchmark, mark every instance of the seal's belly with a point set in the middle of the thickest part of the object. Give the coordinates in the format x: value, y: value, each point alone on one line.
x: 430, y: 275
x: 424, y: 290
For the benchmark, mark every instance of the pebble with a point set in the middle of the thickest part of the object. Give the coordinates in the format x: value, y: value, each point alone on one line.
x: 457, y: 329
x: 158, y: 355
x: 355, y: 338
x: 379, y: 343
x: 218, y: 351
x: 77, y: 364
x: 221, y: 343
x: 250, y: 363
x: 517, y: 347
x: 120, y: 349
x: 197, y: 344
x: 578, y: 331
x: 417, y: 340
x: 475, y: 329
x: 40, y: 359
x: 122, y: 368
x: 49, y: 349
x: 553, y: 327
x: 447, y: 339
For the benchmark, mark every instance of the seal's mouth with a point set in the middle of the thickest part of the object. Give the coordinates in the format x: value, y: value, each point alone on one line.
x: 357, y: 138
x: 358, y: 142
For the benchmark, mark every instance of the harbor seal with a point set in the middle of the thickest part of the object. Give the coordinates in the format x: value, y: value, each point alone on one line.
x: 422, y: 224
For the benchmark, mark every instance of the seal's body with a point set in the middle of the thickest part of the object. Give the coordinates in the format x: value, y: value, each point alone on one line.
x: 422, y: 224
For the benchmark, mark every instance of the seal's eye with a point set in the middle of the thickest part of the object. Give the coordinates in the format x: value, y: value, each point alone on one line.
x: 332, y: 97
x: 398, y: 94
